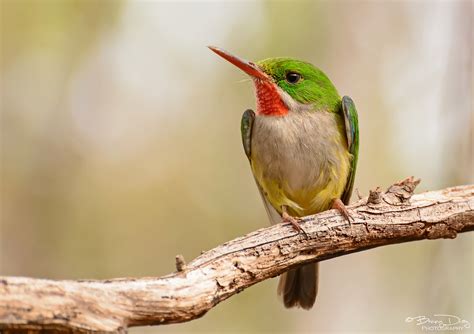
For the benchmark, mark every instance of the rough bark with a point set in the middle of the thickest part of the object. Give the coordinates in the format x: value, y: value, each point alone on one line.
x: 394, y: 216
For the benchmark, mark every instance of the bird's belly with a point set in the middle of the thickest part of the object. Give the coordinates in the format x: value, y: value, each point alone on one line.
x: 302, y: 164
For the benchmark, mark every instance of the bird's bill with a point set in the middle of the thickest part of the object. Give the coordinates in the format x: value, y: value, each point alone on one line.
x: 247, y: 66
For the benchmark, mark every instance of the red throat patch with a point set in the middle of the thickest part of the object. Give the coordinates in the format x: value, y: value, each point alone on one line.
x: 269, y: 102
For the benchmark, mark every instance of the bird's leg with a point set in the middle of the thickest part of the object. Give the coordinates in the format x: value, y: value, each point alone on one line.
x: 294, y: 221
x: 339, y: 206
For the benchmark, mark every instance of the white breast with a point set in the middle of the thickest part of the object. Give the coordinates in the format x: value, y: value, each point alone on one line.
x: 297, y: 155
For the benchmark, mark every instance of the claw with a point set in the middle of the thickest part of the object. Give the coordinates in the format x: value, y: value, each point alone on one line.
x: 339, y: 206
x: 294, y: 221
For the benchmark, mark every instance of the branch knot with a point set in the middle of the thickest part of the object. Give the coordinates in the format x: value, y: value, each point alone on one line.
x: 375, y: 196
x: 401, y: 192
x: 180, y: 263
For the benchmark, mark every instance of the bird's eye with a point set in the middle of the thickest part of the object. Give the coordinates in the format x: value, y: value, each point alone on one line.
x: 293, y: 77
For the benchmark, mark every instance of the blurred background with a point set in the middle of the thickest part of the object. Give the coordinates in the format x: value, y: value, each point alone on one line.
x: 120, y: 145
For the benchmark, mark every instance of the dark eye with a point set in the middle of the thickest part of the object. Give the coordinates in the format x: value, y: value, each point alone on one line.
x: 293, y: 77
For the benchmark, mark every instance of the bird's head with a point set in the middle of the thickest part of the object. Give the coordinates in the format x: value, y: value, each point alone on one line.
x: 286, y: 85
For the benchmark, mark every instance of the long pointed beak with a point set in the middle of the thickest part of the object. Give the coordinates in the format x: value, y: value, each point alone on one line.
x: 247, y: 66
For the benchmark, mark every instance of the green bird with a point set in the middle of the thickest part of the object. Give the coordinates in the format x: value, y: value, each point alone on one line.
x: 302, y: 144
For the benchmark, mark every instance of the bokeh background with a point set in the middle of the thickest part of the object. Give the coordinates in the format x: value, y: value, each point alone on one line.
x: 120, y: 145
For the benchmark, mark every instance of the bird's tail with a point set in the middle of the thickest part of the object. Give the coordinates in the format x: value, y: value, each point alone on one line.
x: 299, y: 286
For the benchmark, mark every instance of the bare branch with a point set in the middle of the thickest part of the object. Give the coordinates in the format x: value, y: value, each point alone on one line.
x: 394, y: 216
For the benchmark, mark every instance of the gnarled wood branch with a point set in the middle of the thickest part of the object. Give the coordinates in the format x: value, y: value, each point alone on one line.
x: 391, y: 217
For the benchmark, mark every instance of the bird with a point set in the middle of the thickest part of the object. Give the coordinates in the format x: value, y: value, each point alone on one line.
x: 302, y: 143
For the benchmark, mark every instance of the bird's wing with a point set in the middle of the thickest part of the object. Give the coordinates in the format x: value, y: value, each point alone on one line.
x: 246, y: 126
x: 351, y: 123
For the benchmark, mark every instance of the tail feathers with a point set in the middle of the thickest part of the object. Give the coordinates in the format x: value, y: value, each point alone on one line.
x: 299, y: 286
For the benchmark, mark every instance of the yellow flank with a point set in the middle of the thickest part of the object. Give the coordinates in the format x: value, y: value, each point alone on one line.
x: 312, y: 199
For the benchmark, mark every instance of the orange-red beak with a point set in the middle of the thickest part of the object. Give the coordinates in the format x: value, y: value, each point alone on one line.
x: 247, y: 66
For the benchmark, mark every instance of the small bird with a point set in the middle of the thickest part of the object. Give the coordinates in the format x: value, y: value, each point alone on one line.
x: 302, y: 144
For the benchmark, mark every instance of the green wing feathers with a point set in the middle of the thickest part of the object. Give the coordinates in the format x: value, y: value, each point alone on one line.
x: 246, y: 130
x: 352, y: 133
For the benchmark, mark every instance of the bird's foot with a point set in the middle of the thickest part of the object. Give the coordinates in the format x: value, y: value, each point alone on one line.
x: 339, y: 206
x: 294, y: 221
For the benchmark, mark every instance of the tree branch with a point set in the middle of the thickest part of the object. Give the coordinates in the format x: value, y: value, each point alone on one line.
x: 113, y: 305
